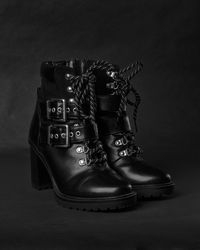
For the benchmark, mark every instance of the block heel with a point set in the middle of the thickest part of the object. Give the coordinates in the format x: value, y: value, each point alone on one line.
x: 39, y: 176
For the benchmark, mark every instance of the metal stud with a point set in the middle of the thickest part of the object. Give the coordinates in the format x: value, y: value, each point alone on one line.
x: 76, y: 124
x: 51, y: 136
x: 71, y: 100
x: 69, y: 89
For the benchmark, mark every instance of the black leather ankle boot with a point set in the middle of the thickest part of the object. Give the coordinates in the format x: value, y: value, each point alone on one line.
x: 66, y: 154
x: 112, y: 88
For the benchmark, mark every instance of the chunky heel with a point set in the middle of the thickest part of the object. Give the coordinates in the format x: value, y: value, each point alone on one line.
x: 39, y: 176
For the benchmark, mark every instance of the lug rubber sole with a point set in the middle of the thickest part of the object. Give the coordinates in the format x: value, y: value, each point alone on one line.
x: 42, y: 178
x: 154, y: 191
x: 107, y: 204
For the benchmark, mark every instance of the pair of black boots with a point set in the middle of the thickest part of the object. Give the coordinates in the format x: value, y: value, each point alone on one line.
x: 81, y: 141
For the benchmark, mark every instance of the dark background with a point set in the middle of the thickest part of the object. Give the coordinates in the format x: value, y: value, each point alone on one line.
x: 164, y: 35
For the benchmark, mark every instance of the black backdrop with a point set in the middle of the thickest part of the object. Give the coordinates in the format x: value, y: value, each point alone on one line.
x: 164, y: 35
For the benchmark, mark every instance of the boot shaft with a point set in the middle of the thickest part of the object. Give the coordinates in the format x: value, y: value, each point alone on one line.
x: 56, y: 104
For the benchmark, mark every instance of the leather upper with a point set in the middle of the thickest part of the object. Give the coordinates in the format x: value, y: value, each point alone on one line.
x: 69, y: 165
x: 113, y: 128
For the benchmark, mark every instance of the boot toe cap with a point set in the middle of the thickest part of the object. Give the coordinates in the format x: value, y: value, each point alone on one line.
x: 107, y: 186
x: 140, y: 173
x: 102, y: 184
x: 110, y: 190
x: 160, y: 177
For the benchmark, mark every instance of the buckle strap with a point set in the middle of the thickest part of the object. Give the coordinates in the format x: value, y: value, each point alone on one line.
x: 58, y: 110
x: 55, y: 110
x: 58, y: 135
x: 62, y: 135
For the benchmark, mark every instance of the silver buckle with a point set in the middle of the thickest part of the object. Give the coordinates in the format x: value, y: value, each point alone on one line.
x: 58, y: 135
x: 56, y: 109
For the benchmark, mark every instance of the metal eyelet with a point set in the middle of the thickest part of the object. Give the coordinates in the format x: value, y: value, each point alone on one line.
x: 124, y: 153
x: 121, y: 153
x: 56, y: 136
x: 79, y: 149
x: 68, y: 76
x: 63, y: 135
x: 74, y: 109
x: 121, y: 142
x: 67, y: 109
x: 59, y: 109
x: 82, y: 162
x: 69, y: 89
x: 71, y: 134
x: 112, y: 74
x: 53, y: 110
x: 78, y: 133
x: 118, y: 143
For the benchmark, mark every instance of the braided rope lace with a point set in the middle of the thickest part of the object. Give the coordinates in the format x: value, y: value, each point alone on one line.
x: 85, y: 100
x: 122, y: 88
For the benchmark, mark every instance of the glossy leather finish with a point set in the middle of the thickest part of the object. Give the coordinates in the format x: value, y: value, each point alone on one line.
x: 68, y: 177
x: 111, y: 129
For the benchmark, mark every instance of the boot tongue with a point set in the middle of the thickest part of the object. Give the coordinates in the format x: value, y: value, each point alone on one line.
x: 53, y: 73
x: 56, y: 72
x: 78, y: 67
x: 62, y: 71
